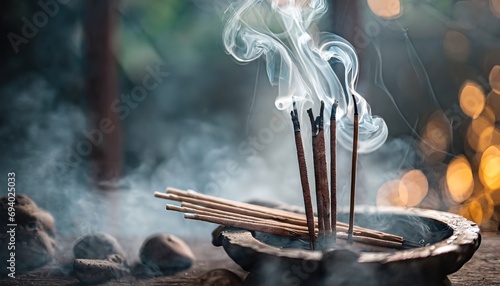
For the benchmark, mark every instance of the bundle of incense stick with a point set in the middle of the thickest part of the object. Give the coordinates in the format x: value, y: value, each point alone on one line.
x: 212, y: 209
x: 326, y: 202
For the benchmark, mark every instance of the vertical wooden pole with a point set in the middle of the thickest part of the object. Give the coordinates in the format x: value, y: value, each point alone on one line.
x: 101, y: 90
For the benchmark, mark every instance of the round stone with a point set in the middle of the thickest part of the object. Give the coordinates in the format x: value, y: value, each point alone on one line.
x: 166, y: 253
x: 97, y: 246
x: 34, y: 233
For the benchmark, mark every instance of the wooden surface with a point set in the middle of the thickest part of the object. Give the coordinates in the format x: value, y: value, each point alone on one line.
x: 482, y: 269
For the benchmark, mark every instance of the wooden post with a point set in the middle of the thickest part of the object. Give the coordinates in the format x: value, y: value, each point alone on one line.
x: 101, y: 90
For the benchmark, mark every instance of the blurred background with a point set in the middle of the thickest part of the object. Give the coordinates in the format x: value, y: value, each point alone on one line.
x: 105, y: 102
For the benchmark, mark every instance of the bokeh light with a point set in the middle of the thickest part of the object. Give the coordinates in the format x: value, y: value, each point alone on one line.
x: 456, y: 46
x: 481, y: 130
x: 436, y: 137
x: 408, y: 191
x: 387, y: 9
x: 472, y: 99
x: 489, y: 169
x: 431, y: 201
x: 493, y: 102
x: 388, y: 194
x: 495, y: 196
x: 495, y: 7
x: 481, y: 208
x: 414, y: 188
x: 459, y: 179
x: 494, y: 79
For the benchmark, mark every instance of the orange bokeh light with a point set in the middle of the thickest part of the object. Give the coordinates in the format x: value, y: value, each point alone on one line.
x: 481, y: 208
x: 459, y: 179
x: 495, y: 7
x: 388, y: 194
x: 493, y: 102
x: 472, y: 99
x: 436, y: 137
x: 415, y: 188
x: 495, y: 79
x: 489, y: 169
x: 495, y: 197
x: 387, y: 9
x: 408, y: 191
x: 456, y: 46
x: 481, y: 131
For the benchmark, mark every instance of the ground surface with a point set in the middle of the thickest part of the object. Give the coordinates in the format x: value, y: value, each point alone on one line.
x: 482, y: 269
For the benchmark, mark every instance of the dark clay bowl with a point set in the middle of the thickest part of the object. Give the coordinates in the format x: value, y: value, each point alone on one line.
x: 448, y: 241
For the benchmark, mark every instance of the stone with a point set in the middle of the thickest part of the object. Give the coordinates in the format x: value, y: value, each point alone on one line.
x: 92, y: 271
x: 97, y: 246
x: 34, y: 233
x: 165, y: 254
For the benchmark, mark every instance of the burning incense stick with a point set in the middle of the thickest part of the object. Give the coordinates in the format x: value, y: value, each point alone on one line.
x: 319, y: 197
x: 306, y: 192
x: 322, y: 171
x: 333, y: 171
x: 353, y: 170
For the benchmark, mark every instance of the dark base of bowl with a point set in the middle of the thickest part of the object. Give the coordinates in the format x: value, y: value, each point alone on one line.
x: 450, y: 241
x: 302, y: 278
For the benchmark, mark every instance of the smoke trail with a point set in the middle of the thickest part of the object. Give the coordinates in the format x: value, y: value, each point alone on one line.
x: 299, y: 59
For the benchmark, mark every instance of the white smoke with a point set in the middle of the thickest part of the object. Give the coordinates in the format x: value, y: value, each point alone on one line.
x: 299, y: 60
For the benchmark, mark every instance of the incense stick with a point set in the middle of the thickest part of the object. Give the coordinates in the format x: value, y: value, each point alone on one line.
x: 322, y: 180
x: 353, y: 170
x: 215, y: 205
x: 194, y: 209
x: 306, y: 192
x: 333, y: 171
x: 319, y: 197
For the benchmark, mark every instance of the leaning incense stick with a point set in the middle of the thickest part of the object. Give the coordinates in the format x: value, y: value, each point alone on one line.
x: 263, y: 226
x: 255, y: 226
x: 353, y: 170
x: 333, y: 171
x: 194, y: 209
x: 306, y: 192
x: 193, y: 199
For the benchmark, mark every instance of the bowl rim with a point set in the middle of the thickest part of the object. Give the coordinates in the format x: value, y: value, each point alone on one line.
x: 464, y: 240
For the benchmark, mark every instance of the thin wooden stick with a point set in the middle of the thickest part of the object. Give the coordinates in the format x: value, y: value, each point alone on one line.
x: 255, y: 226
x: 306, y: 192
x: 239, y: 205
x: 227, y: 208
x: 353, y: 170
x: 322, y: 180
x: 192, y: 198
x: 227, y: 215
x: 370, y: 240
x: 319, y: 197
x: 333, y: 171
x: 191, y: 208
x: 284, y: 231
